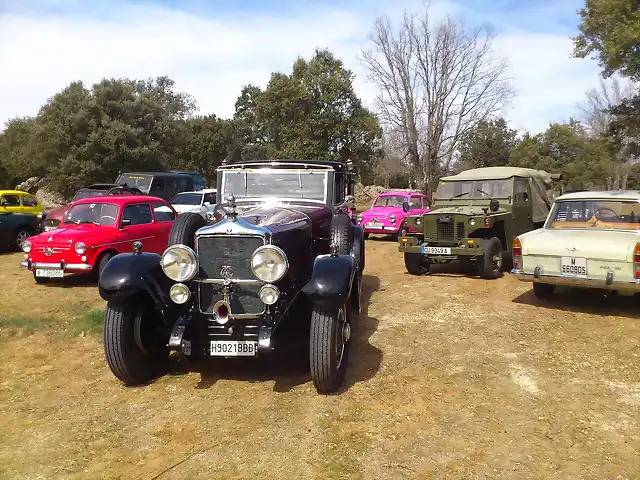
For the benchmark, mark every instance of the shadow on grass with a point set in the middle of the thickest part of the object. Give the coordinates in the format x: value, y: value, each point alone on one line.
x: 89, y: 323
x: 291, y: 369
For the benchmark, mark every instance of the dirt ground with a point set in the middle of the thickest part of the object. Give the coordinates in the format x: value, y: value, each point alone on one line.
x: 449, y: 377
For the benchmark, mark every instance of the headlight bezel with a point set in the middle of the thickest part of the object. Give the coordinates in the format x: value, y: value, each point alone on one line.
x: 27, y: 246
x: 392, y: 218
x: 191, y: 254
x: 279, y: 251
x: 80, y: 248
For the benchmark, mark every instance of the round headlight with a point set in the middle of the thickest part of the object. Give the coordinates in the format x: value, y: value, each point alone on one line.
x: 26, y: 246
x: 392, y: 218
x: 179, y: 293
x: 472, y: 221
x: 81, y: 248
x: 269, y: 294
x: 418, y: 220
x: 269, y: 263
x: 179, y: 263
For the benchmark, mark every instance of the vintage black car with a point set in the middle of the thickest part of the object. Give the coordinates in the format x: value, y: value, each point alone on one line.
x: 281, y: 255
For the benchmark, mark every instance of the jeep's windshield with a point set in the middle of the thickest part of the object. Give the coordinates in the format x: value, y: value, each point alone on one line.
x: 390, y: 201
x: 595, y: 214
x: 275, y: 183
x: 96, y: 213
x: 475, y: 189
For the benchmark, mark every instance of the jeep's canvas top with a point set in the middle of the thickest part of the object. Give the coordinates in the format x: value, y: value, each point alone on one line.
x: 539, y: 183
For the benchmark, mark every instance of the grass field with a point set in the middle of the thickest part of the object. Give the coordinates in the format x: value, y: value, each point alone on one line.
x: 449, y: 377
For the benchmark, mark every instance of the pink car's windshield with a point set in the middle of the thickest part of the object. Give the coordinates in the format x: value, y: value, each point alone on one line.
x: 390, y: 201
x: 96, y: 213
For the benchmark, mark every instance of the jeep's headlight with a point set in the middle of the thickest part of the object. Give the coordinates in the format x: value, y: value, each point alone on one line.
x: 418, y: 220
x: 81, y: 248
x: 269, y: 263
x: 179, y: 263
x: 472, y: 221
x: 26, y: 246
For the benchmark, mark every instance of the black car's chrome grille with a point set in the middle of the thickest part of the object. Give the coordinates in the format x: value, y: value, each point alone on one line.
x: 221, y: 255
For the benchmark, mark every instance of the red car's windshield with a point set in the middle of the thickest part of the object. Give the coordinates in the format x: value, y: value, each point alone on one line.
x: 95, y: 213
x: 390, y: 201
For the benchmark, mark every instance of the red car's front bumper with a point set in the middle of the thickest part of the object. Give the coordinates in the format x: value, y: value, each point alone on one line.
x: 65, y: 267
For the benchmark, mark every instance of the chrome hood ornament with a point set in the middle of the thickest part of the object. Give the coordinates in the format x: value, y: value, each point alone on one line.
x: 232, y: 213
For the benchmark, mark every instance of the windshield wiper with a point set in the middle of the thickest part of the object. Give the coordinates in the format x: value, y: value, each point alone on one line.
x: 482, y: 191
x: 87, y: 221
x: 459, y: 195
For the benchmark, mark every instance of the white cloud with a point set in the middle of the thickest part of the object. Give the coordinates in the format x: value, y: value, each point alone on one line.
x: 212, y: 58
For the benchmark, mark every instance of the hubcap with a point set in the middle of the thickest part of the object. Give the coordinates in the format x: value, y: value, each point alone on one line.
x: 342, y: 335
x: 497, y: 261
x: 346, y: 332
x: 22, y: 236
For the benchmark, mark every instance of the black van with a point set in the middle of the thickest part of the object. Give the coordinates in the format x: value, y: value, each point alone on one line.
x: 157, y: 184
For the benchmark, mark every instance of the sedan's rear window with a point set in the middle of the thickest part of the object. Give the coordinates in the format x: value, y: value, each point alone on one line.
x: 595, y: 214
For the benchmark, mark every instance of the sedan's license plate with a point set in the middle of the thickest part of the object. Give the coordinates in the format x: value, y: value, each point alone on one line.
x: 574, y: 266
x: 49, y: 272
x: 374, y: 225
x: 437, y: 250
x: 233, y: 348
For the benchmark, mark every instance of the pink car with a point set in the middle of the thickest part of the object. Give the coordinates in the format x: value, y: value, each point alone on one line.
x: 388, y: 211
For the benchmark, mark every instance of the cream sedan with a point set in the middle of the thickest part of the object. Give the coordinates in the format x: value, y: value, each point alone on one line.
x: 589, y: 240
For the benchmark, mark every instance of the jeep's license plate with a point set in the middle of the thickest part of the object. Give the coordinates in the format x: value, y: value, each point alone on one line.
x: 574, y: 266
x: 49, y: 272
x: 437, y: 250
x: 374, y: 225
x: 227, y: 348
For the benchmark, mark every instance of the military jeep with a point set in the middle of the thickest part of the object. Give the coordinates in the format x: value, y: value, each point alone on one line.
x: 475, y: 216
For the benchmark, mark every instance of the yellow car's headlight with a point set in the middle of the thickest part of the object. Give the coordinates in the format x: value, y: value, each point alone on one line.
x: 269, y: 263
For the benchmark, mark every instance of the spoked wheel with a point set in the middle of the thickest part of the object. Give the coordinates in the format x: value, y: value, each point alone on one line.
x: 21, y: 235
x: 329, y: 348
x: 490, y: 265
x: 135, y: 342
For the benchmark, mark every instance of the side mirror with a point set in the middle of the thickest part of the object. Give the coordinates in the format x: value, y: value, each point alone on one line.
x: 405, y: 206
x: 125, y: 222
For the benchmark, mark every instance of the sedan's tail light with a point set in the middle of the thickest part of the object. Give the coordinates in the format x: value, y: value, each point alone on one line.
x: 517, y: 254
x: 636, y: 261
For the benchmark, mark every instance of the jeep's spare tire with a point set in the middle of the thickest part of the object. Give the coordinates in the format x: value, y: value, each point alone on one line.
x: 342, y: 233
x: 184, y: 229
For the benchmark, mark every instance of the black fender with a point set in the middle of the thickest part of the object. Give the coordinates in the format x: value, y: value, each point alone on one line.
x: 331, y: 281
x: 127, y: 276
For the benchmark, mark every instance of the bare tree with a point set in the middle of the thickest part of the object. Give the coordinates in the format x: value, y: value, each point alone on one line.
x: 392, y: 162
x: 436, y: 82
x: 596, y: 109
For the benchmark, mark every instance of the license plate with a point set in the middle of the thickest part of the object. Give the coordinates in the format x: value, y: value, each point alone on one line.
x: 374, y: 225
x: 233, y: 348
x: 437, y: 250
x: 574, y: 266
x: 48, y: 229
x: 49, y: 272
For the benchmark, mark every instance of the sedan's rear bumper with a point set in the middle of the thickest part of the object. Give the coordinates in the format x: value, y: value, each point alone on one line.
x: 604, y: 284
x: 66, y: 267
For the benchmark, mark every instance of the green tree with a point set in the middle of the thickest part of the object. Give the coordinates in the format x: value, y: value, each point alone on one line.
x: 312, y: 113
x: 488, y: 144
x: 584, y: 161
x: 610, y: 29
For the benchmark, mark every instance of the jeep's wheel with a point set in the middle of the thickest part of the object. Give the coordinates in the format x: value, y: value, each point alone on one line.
x: 490, y: 264
x: 329, y: 348
x: 183, y: 230
x: 543, y: 290
x: 135, y: 342
x: 415, y: 264
x: 342, y: 233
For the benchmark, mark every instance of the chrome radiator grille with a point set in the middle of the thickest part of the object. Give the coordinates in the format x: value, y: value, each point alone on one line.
x: 221, y: 255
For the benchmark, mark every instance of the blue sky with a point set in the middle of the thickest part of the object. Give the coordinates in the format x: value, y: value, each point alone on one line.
x: 213, y: 48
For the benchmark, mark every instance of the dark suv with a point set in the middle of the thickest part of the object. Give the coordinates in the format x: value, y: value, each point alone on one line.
x: 164, y: 185
x: 281, y: 256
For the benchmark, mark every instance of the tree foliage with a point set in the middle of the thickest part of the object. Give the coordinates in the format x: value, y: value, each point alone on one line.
x: 610, y: 29
x: 489, y: 144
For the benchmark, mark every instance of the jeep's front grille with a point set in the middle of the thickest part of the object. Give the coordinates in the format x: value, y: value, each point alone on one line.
x: 445, y: 230
x: 459, y: 230
x: 233, y: 255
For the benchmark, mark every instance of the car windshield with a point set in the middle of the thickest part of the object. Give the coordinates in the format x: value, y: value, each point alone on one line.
x: 142, y: 182
x: 475, y: 189
x: 595, y: 214
x: 273, y: 183
x: 390, y: 201
x: 94, y: 213
x: 80, y: 194
x: 187, y: 199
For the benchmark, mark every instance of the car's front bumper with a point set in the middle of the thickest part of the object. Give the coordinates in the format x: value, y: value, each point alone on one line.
x: 608, y: 283
x: 65, y: 267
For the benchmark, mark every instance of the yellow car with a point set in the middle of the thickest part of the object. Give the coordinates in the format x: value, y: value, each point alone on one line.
x: 19, y: 202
